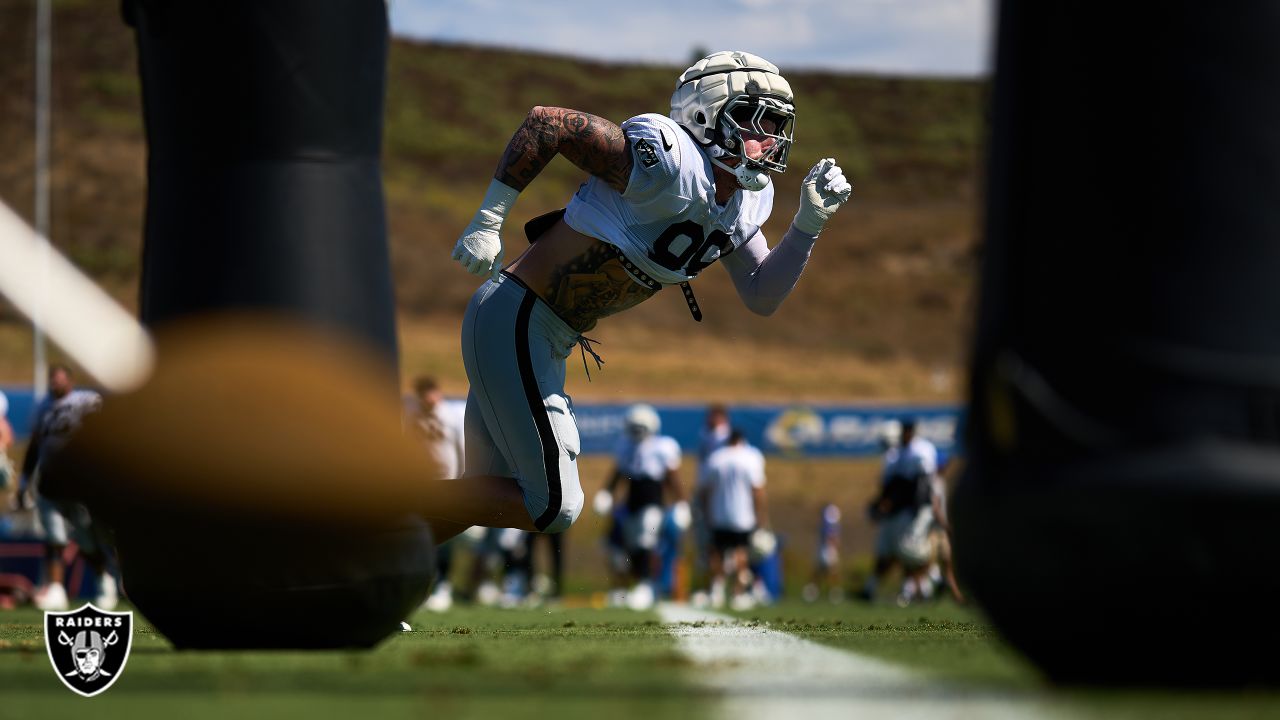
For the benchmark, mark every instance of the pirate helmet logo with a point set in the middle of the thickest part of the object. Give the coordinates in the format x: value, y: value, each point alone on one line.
x: 88, y: 647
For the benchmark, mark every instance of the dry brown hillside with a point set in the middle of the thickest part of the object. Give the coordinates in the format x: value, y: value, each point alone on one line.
x: 881, y: 312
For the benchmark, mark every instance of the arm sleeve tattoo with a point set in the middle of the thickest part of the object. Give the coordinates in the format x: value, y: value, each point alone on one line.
x: 589, y: 142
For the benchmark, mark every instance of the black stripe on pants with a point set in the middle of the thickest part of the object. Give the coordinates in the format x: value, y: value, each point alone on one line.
x: 533, y: 394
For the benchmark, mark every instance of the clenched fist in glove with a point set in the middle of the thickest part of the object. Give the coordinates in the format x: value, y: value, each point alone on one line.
x: 479, y: 250
x: 823, y: 191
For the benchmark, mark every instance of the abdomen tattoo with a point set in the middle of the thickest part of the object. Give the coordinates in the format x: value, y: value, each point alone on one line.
x: 591, y: 286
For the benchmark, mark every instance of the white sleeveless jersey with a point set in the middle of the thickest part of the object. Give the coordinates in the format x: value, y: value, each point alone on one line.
x: 667, y: 222
x: 650, y: 459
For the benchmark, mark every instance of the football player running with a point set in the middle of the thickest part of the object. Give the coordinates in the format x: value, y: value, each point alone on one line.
x: 667, y: 197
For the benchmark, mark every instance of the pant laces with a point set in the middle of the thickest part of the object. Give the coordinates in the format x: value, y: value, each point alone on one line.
x: 584, y: 345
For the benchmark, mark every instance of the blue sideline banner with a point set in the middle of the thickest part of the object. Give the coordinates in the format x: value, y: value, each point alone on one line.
x: 797, y: 430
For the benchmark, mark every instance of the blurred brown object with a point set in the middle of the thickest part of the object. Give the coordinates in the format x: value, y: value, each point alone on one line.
x: 261, y: 474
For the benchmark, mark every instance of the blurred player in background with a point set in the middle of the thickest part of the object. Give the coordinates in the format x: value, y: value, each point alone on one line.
x: 57, y: 418
x: 8, y: 475
x: 435, y: 426
x: 732, y: 496
x: 667, y: 197
x: 543, y: 585
x: 904, y: 510
x: 941, y: 571
x: 826, y: 566
x: 439, y: 430
x: 6, y: 430
x: 646, y: 465
x: 11, y: 590
x: 500, y: 570
x: 713, y: 436
x: 617, y: 559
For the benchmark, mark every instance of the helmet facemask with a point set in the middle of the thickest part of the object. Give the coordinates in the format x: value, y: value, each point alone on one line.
x: 729, y: 95
x: 764, y: 119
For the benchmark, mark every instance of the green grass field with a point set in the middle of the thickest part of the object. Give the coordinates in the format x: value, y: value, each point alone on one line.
x: 565, y: 663
x: 467, y: 663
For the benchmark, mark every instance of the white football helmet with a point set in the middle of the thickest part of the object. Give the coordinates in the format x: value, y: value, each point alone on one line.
x: 727, y: 94
x: 642, y: 421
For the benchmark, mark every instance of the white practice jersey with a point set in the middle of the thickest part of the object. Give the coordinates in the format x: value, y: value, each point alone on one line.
x: 649, y: 459
x: 732, y: 473
x: 440, y: 432
x: 667, y: 223
x: 919, y: 457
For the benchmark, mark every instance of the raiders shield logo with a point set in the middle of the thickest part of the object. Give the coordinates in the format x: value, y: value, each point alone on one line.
x: 88, y: 647
x: 647, y: 153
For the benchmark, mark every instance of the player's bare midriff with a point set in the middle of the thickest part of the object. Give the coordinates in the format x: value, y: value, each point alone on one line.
x: 580, y: 277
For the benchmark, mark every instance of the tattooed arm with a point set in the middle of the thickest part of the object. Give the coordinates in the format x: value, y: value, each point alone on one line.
x: 592, y: 143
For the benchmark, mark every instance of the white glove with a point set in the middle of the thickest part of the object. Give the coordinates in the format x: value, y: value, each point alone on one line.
x: 602, y: 503
x: 681, y: 516
x: 479, y: 250
x: 822, y: 192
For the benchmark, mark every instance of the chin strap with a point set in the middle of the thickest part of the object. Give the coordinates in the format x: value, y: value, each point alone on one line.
x: 753, y: 180
x: 715, y: 160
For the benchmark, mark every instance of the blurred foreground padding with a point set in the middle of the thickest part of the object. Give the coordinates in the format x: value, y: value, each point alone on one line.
x: 1125, y: 468
x: 258, y: 488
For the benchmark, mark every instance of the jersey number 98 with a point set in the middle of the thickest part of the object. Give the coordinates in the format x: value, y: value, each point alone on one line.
x: 683, y: 247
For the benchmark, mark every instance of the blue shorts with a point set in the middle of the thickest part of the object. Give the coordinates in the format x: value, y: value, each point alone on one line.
x: 519, y: 421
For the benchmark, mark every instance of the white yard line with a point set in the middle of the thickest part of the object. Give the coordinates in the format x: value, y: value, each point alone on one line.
x: 769, y: 674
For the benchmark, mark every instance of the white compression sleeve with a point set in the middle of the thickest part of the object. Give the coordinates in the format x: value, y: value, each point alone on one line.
x: 765, y: 277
